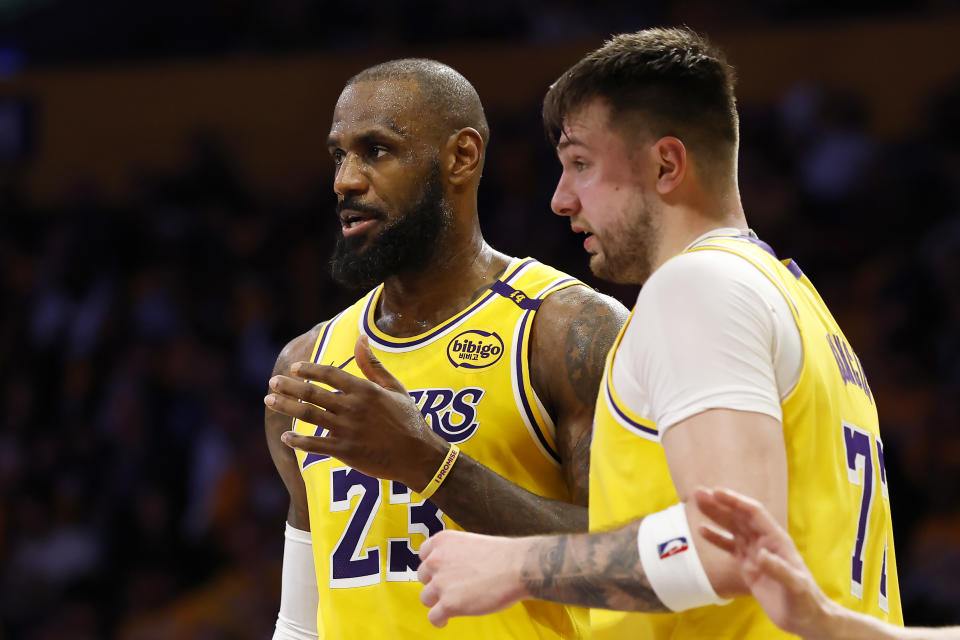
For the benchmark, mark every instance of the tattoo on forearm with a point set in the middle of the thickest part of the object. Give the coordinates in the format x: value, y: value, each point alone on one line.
x: 480, y: 500
x: 599, y: 570
x: 589, y: 338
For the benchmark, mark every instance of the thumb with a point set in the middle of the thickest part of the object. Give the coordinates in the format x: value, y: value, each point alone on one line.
x: 372, y: 369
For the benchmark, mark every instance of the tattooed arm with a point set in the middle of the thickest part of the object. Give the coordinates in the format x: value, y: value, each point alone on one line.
x: 600, y: 570
x: 566, y: 380
x: 474, y: 575
x: 466, y: 574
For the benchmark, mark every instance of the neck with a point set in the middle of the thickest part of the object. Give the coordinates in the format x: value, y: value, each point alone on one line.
x: 415, y: 302
x: 689, y: 222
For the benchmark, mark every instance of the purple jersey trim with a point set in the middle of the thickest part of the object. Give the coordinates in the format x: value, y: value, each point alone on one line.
x: 346, y: 362
x: 515, y: 295
x: 524, y: 401
x: 323, y: 337
x: 633, y: 423
x: 791, y: 266
x: 368, y: 330
x: 323, y: 343
x: 556, y: 286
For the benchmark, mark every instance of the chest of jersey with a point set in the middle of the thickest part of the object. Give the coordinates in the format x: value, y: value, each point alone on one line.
x: 470, y: 379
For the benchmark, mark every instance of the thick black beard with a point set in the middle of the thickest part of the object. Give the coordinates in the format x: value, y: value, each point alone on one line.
x: 405, y: 245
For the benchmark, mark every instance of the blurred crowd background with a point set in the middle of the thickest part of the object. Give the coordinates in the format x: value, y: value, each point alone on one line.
x: 146, y: 292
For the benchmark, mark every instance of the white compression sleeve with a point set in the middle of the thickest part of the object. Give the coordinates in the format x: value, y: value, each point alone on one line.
x: 297, y: 619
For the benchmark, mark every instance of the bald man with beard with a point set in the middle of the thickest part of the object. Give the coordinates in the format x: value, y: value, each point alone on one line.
x: 457, y: 393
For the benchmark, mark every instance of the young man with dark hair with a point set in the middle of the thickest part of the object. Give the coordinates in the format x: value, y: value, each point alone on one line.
x: 731, y: 372
x: 458, y: 392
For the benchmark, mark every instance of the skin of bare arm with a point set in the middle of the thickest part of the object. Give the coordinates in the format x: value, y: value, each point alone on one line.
x: 478, y: 499
x: 275, y: 424
x: 778, y: 578
x: 604, y: 569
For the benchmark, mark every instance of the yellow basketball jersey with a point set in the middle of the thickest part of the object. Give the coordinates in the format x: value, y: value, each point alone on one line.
x: 471, y: 380
x: 839, y: 512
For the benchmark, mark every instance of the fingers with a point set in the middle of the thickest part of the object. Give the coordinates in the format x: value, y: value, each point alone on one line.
x: 424, y: 571
x: 749, y: 514
x: 313, y: 444
x: 426, y: 548
x: 718, y: 538
x: 710, y: 506
x: 371, y: 367
x: 301, y: 390
x: 331, y: 376
x: 429, y: 596
x: 438, y: 616
x: 780, y: 570
x: 304, y: 411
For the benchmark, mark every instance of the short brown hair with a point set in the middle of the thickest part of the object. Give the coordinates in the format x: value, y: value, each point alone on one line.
x: 672, y: 78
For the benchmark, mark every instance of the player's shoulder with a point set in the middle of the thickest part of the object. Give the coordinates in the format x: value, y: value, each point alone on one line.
x: 708, y: 272
x: 579, y: 300
x: 577, y: 314
x: 298, y: 349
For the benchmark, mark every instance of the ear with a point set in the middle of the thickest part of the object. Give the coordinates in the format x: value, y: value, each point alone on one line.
x: 670, y: 158
x: 465, y: 155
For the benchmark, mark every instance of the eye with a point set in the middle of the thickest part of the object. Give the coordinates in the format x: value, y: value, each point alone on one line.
x: 338, y: 156
x: 579, y: 165
x: 378, y: 151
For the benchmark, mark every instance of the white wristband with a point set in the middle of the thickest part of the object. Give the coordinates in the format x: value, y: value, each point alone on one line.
x: 299, y: 596
x: 671, y: 563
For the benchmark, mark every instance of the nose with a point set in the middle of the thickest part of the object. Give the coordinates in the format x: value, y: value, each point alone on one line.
x: 564, y: 202
x: 349, y: 178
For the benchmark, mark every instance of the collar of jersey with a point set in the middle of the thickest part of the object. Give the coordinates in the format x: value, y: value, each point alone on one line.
x: 369, y: 328
x: 721, y: 232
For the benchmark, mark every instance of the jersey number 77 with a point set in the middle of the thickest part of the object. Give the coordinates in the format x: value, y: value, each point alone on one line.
x: 859, y: 446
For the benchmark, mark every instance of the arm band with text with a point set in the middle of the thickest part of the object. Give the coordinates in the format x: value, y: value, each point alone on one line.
x: 441, y: 473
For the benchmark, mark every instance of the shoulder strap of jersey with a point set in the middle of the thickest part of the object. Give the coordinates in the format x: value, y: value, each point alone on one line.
x: 528, y: 291
x: 325, y: 335
x: 759, y: 254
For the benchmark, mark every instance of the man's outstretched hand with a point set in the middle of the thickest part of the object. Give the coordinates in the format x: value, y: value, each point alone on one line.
x: 373, y: 425
x: 768, y: 560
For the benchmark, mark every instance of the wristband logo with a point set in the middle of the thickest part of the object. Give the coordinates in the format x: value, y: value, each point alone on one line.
x: 475, y: 349
x: 672, y: 547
